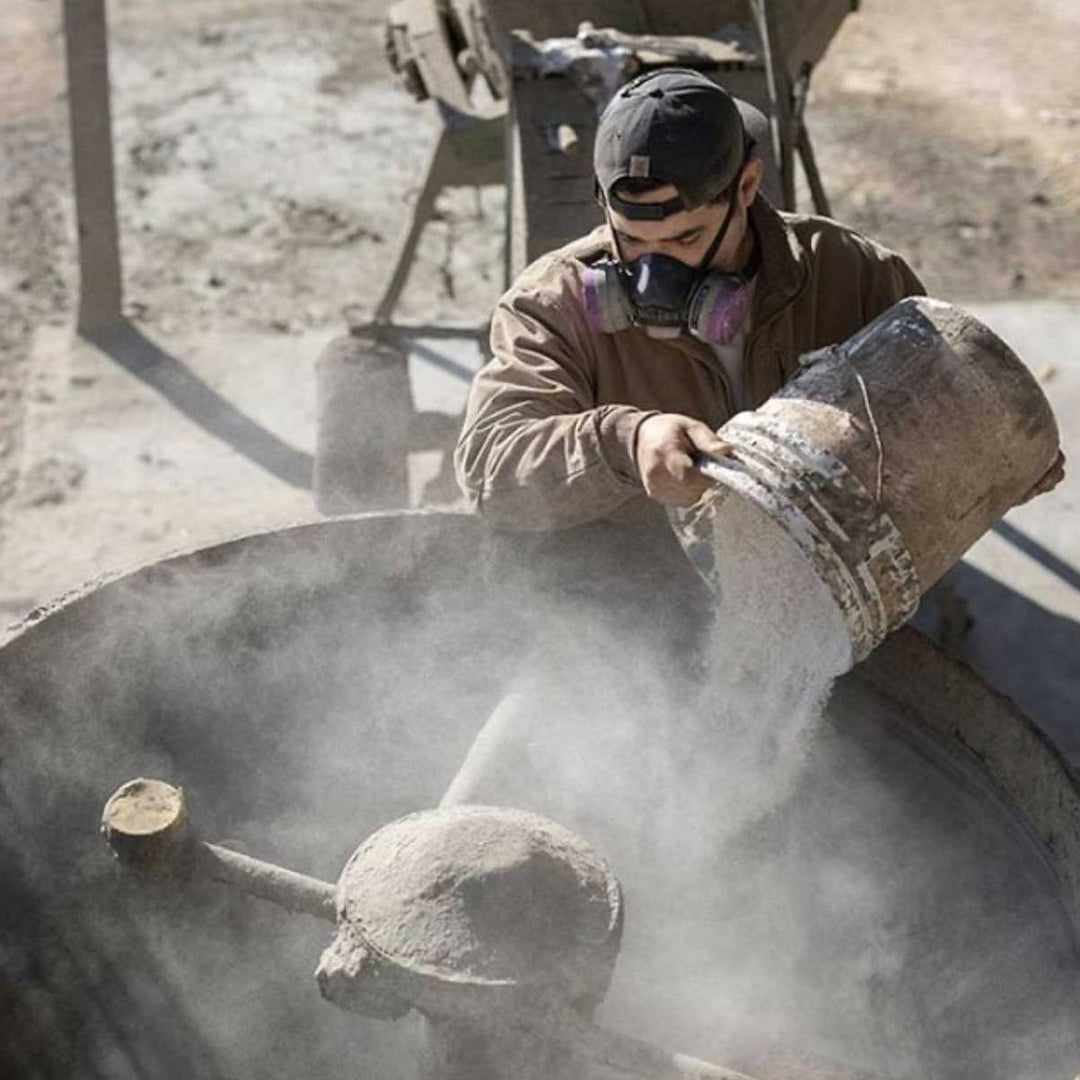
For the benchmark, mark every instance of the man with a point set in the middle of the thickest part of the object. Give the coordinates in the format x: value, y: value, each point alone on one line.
x: 616, y: 357
x: 614, y: 360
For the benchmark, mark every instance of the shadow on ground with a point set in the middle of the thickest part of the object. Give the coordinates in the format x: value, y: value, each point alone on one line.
x: 202, y: 404
x: 1021, y: 648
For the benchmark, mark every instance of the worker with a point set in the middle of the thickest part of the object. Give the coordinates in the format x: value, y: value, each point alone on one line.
x: 614, y: 360
x: 616, y: 357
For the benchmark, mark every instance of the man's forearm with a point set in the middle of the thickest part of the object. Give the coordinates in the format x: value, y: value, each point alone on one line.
x: 534, y: 474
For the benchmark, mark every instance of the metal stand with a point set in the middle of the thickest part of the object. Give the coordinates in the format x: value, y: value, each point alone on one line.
x: 100, y: 282
x: 367, y: 420
x: 469, y: 151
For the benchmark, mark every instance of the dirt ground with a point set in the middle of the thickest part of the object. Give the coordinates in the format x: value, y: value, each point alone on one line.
x: 266, y: 161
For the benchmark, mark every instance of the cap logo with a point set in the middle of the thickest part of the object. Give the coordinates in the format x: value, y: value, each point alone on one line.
x: 639, y: 165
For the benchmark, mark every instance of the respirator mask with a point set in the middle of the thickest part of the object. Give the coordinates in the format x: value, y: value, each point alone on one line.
x: 666, y: 297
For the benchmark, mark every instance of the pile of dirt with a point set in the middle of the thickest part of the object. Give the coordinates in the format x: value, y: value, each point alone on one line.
x: 951, y: 132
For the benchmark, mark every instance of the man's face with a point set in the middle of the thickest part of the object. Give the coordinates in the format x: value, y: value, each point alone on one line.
x: 686, y: 236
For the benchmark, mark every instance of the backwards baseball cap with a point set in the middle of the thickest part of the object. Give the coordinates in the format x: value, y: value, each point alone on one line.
x: 678, y: 127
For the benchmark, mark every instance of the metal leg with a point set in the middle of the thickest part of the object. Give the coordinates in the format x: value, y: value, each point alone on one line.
x: 437, y: 175
x: 813, y: 177
x: 802, y: 143
x: 780, y: 92
x: 100, y: 285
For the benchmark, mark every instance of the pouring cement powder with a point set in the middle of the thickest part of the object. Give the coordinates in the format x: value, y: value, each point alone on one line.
x: 831, y: 893
x: 803, y: 889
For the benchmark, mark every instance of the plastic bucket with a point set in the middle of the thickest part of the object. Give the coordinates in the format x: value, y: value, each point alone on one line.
x: 885, y: 459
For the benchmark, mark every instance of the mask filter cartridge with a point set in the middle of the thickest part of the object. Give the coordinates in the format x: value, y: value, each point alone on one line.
x: 665, y: 298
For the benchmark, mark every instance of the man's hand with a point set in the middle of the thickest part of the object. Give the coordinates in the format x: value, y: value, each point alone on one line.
x: 666, y: 447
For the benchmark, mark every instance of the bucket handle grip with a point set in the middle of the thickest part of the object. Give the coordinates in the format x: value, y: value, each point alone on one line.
x: 713, y: 466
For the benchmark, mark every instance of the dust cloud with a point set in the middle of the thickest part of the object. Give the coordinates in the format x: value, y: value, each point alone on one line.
x: 800, y: 885
x: 805, y: 888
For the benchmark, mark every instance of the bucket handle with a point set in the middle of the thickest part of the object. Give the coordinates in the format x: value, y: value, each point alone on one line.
x: 713, y: 467
x: 873, y: 429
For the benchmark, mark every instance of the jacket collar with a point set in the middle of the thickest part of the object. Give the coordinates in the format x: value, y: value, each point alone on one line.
x: 783, y: 262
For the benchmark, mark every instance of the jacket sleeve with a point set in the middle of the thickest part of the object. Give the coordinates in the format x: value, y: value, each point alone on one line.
x: 890, y: 280
x: 536, y: 452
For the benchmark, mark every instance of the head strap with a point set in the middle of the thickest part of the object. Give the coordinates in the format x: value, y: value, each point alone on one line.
x: 718, y: 239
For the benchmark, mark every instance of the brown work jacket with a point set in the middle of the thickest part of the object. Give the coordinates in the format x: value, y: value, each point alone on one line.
x: 549, y: 435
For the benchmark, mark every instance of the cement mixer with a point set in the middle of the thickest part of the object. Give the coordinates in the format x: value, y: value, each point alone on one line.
x: 906, y: 905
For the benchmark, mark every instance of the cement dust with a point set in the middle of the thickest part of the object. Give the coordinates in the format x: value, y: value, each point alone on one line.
x: 804, y: 889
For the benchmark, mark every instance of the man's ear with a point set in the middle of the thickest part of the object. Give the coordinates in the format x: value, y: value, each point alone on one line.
x: 750, y: 181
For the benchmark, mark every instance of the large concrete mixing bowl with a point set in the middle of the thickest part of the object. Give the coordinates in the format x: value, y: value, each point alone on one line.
x: 309, y: 685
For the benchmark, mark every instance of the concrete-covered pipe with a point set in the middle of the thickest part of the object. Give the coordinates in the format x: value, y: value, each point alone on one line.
x: 887, y: 457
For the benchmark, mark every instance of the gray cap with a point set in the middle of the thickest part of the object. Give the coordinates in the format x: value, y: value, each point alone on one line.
x: 676, y: 126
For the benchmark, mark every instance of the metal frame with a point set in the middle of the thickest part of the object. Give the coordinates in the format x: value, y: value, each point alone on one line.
x: 536, y: 137
x: 100, y: 275
x: 421, y: 43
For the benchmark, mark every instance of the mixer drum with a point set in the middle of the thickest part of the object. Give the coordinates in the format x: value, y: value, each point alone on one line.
x: 308, y: 686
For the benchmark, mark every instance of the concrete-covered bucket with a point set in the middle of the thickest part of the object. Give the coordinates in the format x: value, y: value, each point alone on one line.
x: 903, y: 901
x: 884, y: 460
